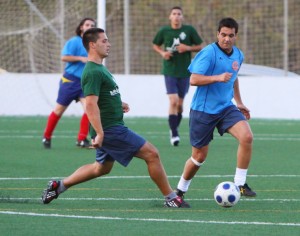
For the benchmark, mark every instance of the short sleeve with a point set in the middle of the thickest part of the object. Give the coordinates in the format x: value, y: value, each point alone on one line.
x: 202, y: 61
x: 91, y: 83
x: 159, y: 37
x: 70, y: 47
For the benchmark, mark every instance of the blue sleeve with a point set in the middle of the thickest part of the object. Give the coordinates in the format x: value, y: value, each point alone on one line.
x: 202, y: 61
x: 70, y: 48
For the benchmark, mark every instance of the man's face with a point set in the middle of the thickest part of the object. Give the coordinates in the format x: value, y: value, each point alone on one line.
x: 226, y: 38
x: 176, y: 16
x: 102, y: 45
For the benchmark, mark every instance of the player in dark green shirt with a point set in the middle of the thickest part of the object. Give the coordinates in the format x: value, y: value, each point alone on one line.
x: 113, y: 141
x: 97, y: 80
x: 175, y: 44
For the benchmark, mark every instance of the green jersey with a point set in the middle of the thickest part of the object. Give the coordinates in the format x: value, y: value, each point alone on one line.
x: 97, y: 80
x: 170, y: 38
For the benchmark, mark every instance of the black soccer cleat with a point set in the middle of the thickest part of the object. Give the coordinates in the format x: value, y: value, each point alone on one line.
x: 46, y: 143
x: 180, y: 193
x: 177, y: 202
x: 50, y: 192
x: 246, y: 191
x: 83, y: 143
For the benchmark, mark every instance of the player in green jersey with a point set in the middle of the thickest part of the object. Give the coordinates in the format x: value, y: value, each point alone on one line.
x: 112, y: 140
x: 175, y: 43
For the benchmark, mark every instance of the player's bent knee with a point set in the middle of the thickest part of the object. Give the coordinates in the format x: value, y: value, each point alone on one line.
x: 197, y: 163
x: 148, y: 152
x: 152, y: 150
x: 247, y: 139
x: 102, y: 169
x: 154, y: 154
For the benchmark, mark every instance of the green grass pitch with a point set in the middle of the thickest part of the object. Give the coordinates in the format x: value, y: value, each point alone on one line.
x: 126, y: 202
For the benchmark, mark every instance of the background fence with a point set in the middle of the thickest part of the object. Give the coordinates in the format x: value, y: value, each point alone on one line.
x: 32, y: 32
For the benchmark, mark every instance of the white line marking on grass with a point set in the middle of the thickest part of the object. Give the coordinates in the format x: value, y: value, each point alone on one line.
x: 147, y: 199
x: 147, y: 177
x: 30, y: 134
x: 152, y: 219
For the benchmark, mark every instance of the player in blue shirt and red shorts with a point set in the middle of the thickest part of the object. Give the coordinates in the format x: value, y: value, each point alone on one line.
x: 214, y: 71
x: 75, y: 56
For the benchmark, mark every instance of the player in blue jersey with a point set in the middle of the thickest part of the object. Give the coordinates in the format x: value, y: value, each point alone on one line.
x: 75, y: 56
x: 214, y: 71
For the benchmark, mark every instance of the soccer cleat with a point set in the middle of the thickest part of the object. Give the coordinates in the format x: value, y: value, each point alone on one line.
x: 50, y: 192
x: 246, y: 191
x: 83, y: 143
x: 175, y: 140
x: 46, y: 143
x: 177, y: 202
x: 180, y: 193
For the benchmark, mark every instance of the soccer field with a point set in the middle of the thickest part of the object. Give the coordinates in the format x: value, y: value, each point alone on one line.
x: 126, y: 202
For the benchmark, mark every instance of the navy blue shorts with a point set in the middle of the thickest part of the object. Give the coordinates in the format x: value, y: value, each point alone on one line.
x: 202, y: 125
x: 69, y: 90
x: 178, y: 86
x: 120, y: 144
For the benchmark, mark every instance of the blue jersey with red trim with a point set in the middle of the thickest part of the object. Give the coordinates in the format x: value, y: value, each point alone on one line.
x: 212, y: 60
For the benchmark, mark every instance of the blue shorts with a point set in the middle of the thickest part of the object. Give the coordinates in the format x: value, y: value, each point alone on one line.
x: 69, y: 90
x: 202, y: 124
x: 178, y: 86
x: 120, y: 144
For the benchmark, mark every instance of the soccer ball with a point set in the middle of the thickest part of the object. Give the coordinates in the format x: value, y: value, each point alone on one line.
x: 227, y: 194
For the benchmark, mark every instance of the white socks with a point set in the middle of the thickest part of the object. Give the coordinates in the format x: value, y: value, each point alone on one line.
x: 183, y: 184
x: 239, y: 179
x: 240, y: 176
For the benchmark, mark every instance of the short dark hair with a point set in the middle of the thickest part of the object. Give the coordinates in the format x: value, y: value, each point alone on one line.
x: 91, y: 35
x: 229, y: 23
x: 78, y: 31
x: 176, y: 8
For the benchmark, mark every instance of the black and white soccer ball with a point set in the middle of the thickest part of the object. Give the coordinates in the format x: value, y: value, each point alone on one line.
x: 227, y: 194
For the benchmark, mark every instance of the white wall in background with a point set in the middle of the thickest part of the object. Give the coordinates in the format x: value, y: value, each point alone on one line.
x: 267, y: 96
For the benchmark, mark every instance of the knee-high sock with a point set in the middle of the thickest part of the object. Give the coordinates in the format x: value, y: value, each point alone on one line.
x: 173, y: 125
x: 179, y: 117
x: 51, y: 124
x: 84, y: 127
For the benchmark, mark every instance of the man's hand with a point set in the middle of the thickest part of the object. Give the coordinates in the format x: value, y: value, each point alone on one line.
x: 225, y: 77
x: 183, y: 48
x: 97, y: 141
x: 125, y: 107
x: 166, y: 55
x: 244, y: 110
